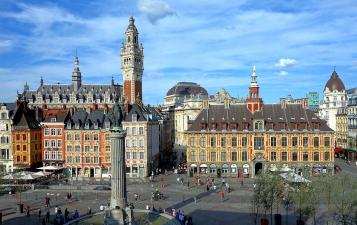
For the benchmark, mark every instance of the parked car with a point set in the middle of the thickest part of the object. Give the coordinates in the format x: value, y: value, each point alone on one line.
x: 102, y: 188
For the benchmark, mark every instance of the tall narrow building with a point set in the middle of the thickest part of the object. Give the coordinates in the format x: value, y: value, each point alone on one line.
x: 132, y: 64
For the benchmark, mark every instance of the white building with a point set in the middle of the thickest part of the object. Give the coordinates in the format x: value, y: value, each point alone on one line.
x: 6, y: 159
x: 334, y: 99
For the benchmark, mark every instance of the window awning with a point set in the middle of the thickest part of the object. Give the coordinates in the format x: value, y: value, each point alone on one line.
x: 338, y: 150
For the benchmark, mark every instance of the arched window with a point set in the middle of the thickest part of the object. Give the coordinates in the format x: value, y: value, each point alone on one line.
x: 128, y: 39
x: 258, y: 125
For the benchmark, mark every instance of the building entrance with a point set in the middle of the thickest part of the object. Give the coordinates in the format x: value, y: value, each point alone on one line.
x: 258, y: 168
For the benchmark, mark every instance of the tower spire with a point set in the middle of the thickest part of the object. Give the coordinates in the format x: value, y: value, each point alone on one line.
x: 76, y: 74
x: 254, y: 82
x: 254, y: 101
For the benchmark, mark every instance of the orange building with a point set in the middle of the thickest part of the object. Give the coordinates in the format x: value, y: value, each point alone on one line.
x: 53, y: 142
x: 26, y: 136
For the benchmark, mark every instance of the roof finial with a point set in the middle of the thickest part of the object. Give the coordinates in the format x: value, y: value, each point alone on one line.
x: 113, y: 80
x: 41, y: 81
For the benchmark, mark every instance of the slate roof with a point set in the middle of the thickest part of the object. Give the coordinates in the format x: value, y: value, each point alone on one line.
x: 11, y: 107
x: 26, y: 118
x: 187, y: 88
x: 143, y: 113
x: 335, y: 83
x: 270, y: 113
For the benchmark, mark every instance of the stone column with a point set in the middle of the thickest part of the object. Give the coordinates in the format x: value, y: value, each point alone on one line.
x: 118, y: 194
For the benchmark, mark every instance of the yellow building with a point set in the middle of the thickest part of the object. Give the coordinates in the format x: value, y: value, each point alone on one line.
x: 341, y: 128
x: 241, y: 140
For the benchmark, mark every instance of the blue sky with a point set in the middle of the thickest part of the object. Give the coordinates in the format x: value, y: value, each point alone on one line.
x: 294, y: 44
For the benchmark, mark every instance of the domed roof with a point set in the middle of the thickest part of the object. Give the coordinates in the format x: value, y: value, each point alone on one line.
x: 335, y: 83
x: 187, y: 88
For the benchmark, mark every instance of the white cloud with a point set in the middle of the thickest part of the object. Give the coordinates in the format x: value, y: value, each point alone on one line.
x: 285, y: 63
x: 283, y: 73
x: 155, y: 10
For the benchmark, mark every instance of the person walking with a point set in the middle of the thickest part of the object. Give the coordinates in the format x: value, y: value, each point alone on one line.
x: 188, y: 184
x: 254, y: 186
x: 222, y: 196
x: 43, y: 221
x: 241, y: 183
x: 39, y: 214
x: 48, y: 215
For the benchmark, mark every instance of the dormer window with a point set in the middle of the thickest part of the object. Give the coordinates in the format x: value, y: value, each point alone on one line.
x: 203, y: 126
x: 213, y: 126
x: 245, y: 126
x: 224, y: 126
x: 69, y: 125
x: 282, y: 126
x: 107, y: 125
x: 316, y: 126
x: 294, y: 126
x: 53, y: 120
x: 234, y: 126
x: 271, y: 125
x: 86, y: 126
x: 96, y: 125
x: 259, y: 125
x: 134, y: 117
x: 303, y: 125
x: 77, y: 125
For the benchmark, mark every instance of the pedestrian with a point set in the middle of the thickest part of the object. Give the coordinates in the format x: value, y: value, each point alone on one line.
x: 195, y: 198
x: 254, y: 186
x: 207, y: 187
x: 241, y: 183
x: 222, y: 196
x: 101, y: 207
x: 39, y: 214
x: 89, y: 211
x: 48, y: 215
x: 76, y: 214
x: 188, y: 184
x: 28, y: 210
x: 66, y: 213
x: 136, y: 196
x: 56, y: 209
x: 43, y: 221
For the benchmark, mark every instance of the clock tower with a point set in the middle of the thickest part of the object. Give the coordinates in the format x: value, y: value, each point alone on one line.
x: 132, y: 64
x: 254, y: 101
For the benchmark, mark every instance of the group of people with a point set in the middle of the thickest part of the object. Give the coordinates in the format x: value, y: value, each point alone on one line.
x: 180, y: 216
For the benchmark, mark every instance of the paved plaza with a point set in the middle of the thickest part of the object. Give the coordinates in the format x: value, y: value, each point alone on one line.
x: 208, y: 209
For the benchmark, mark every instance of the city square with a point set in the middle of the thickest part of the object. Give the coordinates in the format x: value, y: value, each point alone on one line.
x: 178, y: 112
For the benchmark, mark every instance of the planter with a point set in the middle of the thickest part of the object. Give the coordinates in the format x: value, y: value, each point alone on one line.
x: 264, y: 222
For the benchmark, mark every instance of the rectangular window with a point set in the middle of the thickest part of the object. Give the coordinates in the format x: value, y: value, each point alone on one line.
x: 284, y: 156
x: 192, y: 141
x: 59, y: 132
x: 77, y: 137
x: 95, y: 148
x: 59, y: 143
x: 107, y: 136
x: 294, y: 141
x: 87, y: 159
x: 258, y: 143
x: 244, y: 156
x: 53, y: 132
x: 18, y: 136
x: 86, y: 148
x: 223, y: 142
x: 141, y: 155
x: 59, y: 155
x: 133, y: 143
x: 273, y: 156
x: 47, y: 155
x: 295, y: 156
x: 127, y: 142
x: 69, y: 148
x: 305, y: 141
x: 78, y: 148
x: 316, y: 156
x: 96, y: 159
x: 24, y: 137
x: 69, y: 159
x: 327, y: 141
x: 141, y: 143
x: 53, y: 143
x: 273, y: 141
x: 193, y: 158
x: 141, y: 130
x: 202, y: 156
x: 327, y: 156
x: 47, y: 143
x: 87, y: 137
x: 96, y: 137
x: 127, y: 155
x: 213, y: 156
x: 24, y: 158
x: 284, y: 142
x: 107, y: 148
x: 244, y: 141
x: 316, y: 142
x: 133, y: 131
x: 203, y: 142
x: 47, y: 131
x: 234, y: 156
x: 18, y: 147
x: 78, y: 159
x: 223, y: 156
x: 134, y: 155
x: 234, y: 142
x: 305, y: 156
x: 69, y: 137
x: 213, y: 142
x: 107, y: 158
x: 53, y: 155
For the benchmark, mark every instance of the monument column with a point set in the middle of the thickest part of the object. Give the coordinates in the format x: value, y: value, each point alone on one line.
x: 118, y: 195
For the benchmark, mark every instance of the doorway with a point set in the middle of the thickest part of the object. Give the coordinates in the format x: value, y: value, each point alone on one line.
x: 258, y: 168
x: 91, y: 172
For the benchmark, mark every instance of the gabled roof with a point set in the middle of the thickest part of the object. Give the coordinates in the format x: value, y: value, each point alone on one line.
x: 143, y: 113
x: 25, y: 118
x: 60, y: 115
